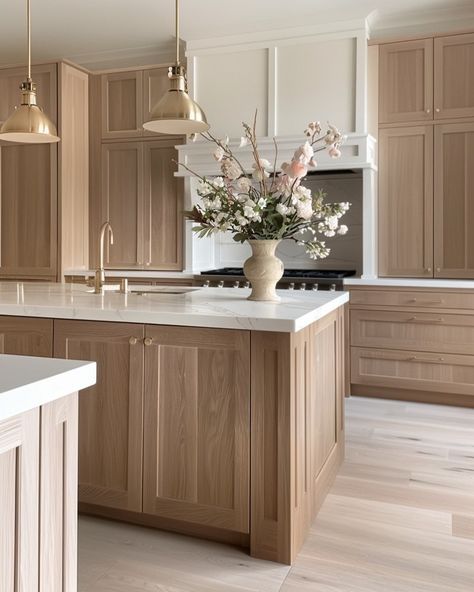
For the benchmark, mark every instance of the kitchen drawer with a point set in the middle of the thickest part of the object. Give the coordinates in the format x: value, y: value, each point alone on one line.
x: 413, y: 370
x: 414, y: 299
x: 429, y: 332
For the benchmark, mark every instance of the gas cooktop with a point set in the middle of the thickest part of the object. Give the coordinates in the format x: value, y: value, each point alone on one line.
x: 289, y: 273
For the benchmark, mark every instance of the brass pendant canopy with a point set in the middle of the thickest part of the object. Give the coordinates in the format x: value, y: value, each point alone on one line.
x: 176, y: 112
x: 28, y: 124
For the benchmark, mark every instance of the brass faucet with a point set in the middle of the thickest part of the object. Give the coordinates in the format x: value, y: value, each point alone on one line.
x: 100, y: 272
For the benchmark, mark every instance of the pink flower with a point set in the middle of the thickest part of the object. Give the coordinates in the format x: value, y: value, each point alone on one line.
x: 334, y: 152
x: 295, y: 169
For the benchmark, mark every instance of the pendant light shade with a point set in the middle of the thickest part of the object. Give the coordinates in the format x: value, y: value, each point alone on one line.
x: 28, y: 124
x: 176, y: 113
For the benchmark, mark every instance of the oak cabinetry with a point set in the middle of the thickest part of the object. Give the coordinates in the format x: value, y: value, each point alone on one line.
x: 406, y: 81
x: 132, y: 182
x: 413, y: 345
x: 111, y: 412
x: 454, y: 199
x: 26, y: 336
x: 406, y: 202
x: 44, y: 188
x: 197, y: 426
x: 454, y: 76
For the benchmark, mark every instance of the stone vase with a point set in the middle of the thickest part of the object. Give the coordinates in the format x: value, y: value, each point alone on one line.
x: 263, y: 270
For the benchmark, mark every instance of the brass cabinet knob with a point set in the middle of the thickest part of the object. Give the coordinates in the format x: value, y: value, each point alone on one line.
x: 428, y: 110
x: 428, y: 269
x: 437, y: 110
x: 148, y: 341
x: 133, y: 341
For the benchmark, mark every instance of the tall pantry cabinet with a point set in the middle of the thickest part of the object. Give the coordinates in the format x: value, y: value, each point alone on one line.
x: 132, y: 182
x: 426, y: 157
x: 44, y: 187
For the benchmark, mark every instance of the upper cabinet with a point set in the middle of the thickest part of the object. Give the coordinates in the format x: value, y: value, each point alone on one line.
x: 127, y: 99
x: 454, y: 76
x: 426, y: 79
x: 44, y: 188
x: 406, y: 81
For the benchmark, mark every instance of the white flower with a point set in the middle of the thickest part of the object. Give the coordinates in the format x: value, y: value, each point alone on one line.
x: 282, y: 209
x: 303, y: 193
x: 218, y: 182
x: 243, y: 142
x: 230, y: 169
x: 204, y: 188
x: 304, y: 209
x: 259, y: 174
x: 262, y: 202
x: 329, y: 233
x: 265, y: 164
x: 334, y: 152
x: 243, y: 184
x: 342, y: 229
x: 332, y: 222
x: 219, y: 153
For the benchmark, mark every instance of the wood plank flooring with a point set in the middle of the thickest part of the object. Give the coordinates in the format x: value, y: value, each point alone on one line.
x: 399, y: 518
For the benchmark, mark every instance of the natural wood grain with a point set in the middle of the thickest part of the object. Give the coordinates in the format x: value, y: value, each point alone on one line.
x: 406, y: 202
x: 110, y: 413
x: 74, y: 168
x: 449, y: 299
x: 26, y: 336
x: 197, y: 421
x: 19, y: 494
x: 453, y: 198
x: 122, y: 104
x: 122, y: 202
x: 406, y: 81
x: 163, y: 207
x: 58, y: 496
x: 454, y: 76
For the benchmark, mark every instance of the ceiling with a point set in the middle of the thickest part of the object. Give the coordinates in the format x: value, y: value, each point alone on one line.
x: 85, y: 29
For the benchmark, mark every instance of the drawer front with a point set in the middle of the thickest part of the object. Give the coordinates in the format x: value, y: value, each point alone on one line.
x: 422, y: 299
x: 428, y: 332
x: 413, y: 370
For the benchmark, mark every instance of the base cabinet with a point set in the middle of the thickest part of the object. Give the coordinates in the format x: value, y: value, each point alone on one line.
x: 25, y: 336
x: 111, y: 412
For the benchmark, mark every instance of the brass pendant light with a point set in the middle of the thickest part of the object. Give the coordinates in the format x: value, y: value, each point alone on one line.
x: 176, y: 113
x: 28, y: 124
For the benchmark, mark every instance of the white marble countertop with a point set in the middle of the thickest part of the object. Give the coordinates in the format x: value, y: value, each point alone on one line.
x: 27, y: 382
x: 411, y: 283
x: 133, y: 273
x: 226, y: 308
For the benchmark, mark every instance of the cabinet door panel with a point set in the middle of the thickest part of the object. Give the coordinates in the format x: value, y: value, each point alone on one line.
x: 19, y: 494
x: 454, y: 76
x: 406, y: 202
x: 122, y: 115
x: 197, y: 398
x: 122, y: 181
x: 26, y: 336
x: 28, y: 194
x: 110, y: 413
x: 406, y: 81
x: 163, y: 208
x: 454, y: 201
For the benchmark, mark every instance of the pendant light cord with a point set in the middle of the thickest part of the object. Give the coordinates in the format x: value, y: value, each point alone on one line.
x: 177, y: 32
x: 28, y: 27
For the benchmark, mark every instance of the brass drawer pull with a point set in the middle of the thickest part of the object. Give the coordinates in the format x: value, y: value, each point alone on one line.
x: 425, y: 321
x: 426, y: 302
x: 133, y: 341
x: 432, y: 360
x: 148, y: 341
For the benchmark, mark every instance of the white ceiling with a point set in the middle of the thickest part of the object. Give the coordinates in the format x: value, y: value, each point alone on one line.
x: 80, y: 29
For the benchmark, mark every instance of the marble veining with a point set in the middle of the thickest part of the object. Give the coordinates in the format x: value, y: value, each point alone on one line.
x: 226, y: 308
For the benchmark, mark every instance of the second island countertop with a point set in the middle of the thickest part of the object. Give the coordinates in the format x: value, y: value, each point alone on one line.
x: 225, y: 308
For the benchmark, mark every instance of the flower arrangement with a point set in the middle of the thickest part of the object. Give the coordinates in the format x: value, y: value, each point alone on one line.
x: 270, y: 204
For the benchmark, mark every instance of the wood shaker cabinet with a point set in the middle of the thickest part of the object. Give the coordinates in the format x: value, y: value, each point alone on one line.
x: 44, y: 187
x: 454, y: 76
x: 406, y: 202
x: 122, y: 104
x: 454, y: 200
x: 197, y: 426
x: 110, y: 413
x: 406, y: 81
x: 26, y: 336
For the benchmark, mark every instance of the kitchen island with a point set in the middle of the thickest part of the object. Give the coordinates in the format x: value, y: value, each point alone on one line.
x: 38, y: 472
x: 212, y: 415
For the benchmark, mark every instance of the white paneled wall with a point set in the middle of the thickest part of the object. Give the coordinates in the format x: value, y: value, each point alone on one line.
x: 312, y: 87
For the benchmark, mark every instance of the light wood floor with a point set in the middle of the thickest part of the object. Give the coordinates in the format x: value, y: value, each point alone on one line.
x: 400, y: 518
